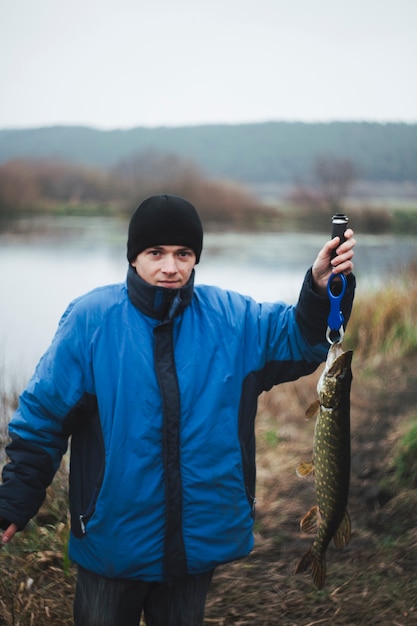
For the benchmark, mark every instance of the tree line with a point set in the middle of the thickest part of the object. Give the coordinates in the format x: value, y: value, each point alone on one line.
x: 283, y: 152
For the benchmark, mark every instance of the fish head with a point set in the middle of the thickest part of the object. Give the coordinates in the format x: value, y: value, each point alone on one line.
x: 336, y: 374
x: 334, y: 352
x: 341, y: 364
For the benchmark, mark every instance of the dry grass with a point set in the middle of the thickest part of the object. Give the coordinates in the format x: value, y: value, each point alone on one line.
x: 384, y: 324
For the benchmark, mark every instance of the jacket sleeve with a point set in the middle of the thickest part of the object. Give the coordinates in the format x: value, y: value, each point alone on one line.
x: 291, y: 340
x: 38, y: 429
x: 25, y: 479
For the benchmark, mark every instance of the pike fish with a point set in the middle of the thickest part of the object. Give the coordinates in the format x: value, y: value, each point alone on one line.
x: 329, y: 518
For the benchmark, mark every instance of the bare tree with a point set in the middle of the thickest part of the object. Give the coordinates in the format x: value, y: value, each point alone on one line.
x: 334, y: 178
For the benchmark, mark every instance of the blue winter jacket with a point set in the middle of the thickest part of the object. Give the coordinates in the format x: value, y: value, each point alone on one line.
x: 157, y: 390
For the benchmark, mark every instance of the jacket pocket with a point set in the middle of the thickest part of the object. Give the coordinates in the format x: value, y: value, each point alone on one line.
x: 86, y: 464
x: 80, y: 529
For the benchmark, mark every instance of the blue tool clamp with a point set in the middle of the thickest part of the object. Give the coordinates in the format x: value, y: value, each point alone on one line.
x: 335, y: 330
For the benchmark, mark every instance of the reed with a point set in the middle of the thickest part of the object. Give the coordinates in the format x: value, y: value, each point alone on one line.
x: 383, y: 323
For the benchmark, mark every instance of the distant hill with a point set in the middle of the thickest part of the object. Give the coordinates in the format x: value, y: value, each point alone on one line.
x: 282, y: 152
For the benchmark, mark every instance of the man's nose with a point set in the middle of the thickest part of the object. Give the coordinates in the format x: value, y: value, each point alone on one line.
x: 170, y: 264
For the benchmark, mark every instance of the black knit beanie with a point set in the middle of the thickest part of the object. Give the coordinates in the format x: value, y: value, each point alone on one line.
x: 164, y: 220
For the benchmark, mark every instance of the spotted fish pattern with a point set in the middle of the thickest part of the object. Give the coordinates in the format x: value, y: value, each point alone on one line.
x: 329, y: 518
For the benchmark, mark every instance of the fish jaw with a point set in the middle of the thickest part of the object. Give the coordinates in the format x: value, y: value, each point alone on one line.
x: 334, y: 352
x: 338, y: 361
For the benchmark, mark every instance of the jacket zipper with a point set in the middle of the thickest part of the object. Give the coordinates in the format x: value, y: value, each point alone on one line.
x: 82, y: 525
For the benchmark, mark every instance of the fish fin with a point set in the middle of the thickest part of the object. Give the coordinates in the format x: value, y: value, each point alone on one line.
x: 310, y: 521
x: 304, y: 469
x: 313, y: 410
x: 317, y: 566
x: 342, y: 536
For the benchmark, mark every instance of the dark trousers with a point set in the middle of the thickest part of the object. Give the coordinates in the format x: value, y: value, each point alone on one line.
x: 113, y: 602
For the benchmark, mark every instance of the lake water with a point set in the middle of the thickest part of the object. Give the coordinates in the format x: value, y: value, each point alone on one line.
x: 40, y: 273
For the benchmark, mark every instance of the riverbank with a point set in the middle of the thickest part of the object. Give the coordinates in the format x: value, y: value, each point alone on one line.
x: 301, y: 214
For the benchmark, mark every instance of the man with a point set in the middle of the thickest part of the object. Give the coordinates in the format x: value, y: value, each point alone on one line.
x: 156, y: 381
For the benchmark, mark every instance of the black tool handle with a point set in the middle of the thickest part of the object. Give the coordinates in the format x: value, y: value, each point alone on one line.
x: 340, y: 223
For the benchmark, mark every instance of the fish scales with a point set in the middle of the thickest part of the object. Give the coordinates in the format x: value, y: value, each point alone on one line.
x: 331, y: 464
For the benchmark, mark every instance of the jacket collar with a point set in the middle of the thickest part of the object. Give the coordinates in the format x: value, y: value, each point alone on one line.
x: 158, y: 302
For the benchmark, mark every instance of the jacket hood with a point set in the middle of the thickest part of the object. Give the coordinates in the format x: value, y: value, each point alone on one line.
x: 158, y: 302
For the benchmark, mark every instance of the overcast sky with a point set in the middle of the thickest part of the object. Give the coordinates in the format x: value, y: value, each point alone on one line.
x: 126, y: 63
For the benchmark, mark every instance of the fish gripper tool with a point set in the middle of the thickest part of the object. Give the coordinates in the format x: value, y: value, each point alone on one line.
x: 336, y: 288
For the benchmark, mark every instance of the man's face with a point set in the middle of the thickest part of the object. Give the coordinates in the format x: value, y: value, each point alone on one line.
x: 165, y: 266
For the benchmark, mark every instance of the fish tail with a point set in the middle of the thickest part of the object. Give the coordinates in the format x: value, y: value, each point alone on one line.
x: 317, y: 566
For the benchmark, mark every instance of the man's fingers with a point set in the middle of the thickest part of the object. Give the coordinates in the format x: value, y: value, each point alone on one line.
x: 9, y: 533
